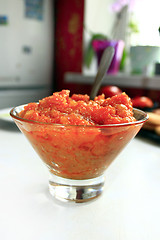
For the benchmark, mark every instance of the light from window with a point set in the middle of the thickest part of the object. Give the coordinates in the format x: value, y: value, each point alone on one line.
x: 147, y: 16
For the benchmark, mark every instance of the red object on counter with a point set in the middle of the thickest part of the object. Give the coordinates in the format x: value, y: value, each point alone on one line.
x: 142, y: 102
x: 110, y: 91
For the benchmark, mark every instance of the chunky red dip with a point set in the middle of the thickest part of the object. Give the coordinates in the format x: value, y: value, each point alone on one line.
x: 83, y: 151
x: 80, y: 110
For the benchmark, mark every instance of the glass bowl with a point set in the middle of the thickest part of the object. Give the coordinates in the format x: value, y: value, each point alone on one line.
x: 77, y: 156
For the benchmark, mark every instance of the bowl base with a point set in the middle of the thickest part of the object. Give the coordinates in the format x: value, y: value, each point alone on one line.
x: 78, y: 191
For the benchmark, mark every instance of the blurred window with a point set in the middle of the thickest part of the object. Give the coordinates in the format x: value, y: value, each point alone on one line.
x: 147, y: 17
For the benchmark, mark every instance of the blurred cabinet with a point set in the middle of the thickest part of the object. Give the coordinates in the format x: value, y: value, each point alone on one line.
x: 69, y: 16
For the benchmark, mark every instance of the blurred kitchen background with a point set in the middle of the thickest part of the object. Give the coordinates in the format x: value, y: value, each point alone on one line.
x: 49, y: 45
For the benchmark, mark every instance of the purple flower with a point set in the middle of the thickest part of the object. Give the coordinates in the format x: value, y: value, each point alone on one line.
x: 119, y: 4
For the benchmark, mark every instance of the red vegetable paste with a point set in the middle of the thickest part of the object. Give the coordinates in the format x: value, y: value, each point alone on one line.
x: 80, y: 110
x: 86, y: 150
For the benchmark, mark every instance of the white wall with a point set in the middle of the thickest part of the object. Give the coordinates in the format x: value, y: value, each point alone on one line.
x: 99, y: 16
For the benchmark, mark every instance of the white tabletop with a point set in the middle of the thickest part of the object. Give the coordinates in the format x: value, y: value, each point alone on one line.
x: 129, y: 208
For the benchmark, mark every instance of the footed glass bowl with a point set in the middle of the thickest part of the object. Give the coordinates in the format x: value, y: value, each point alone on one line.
x: 77, y: 156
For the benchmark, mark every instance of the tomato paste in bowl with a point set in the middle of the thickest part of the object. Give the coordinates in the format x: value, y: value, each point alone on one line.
x: 78, y: 138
